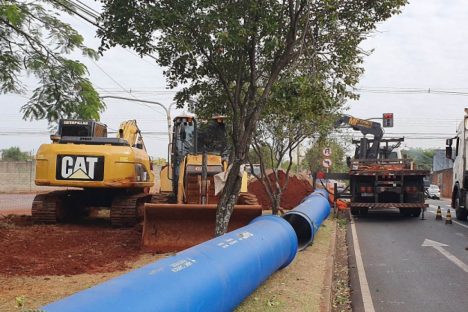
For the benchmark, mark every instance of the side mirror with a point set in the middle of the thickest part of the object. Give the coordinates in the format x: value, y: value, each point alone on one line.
x: 448, y: 152
x: 348, y: 161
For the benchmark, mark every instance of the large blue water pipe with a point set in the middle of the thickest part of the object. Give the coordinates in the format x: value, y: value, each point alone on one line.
x: 307, y: 217
x: 216, y: 275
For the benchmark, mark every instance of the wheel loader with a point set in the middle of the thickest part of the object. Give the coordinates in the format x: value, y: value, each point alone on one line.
x: 95, y: 171
x: 183, y: 213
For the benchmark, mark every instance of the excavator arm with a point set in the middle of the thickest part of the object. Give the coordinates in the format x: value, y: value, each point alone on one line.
x: 130, y: 132
x: 366, y: 127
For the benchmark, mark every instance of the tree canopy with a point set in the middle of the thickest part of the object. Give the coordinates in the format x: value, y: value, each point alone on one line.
x: 299, y: 108
x: 34, y: 40
x: 14, y: 154
x: 314, y: 156
x: 422, y: 157
x: 228, y: 55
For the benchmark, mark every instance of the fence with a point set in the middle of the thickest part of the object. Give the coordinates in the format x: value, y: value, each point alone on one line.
x: 17, y: 177
x: 17, y: 187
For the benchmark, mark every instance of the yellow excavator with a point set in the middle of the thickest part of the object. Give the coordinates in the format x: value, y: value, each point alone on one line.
x: 183, y: 213
x: 101, y: 171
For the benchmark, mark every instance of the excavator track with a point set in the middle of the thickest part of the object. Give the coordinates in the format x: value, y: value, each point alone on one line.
x: 124, y: 210
x: 47, y: 208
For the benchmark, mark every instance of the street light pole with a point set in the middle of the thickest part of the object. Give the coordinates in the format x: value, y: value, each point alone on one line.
x: 166, y: 109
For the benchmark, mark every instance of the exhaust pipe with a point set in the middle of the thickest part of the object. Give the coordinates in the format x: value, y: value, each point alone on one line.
x: 216, y: 275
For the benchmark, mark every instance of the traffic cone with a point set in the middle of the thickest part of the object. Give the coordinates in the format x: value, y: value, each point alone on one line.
x: 448, y: 217
x: 438, y: 214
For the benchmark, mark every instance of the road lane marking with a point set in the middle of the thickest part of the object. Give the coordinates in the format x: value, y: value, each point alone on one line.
x: 454, y: 221
x: 440, y: 247
x: 365, y: 292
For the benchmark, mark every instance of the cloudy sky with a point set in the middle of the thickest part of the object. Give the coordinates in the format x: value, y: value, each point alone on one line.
x: 418, y: 71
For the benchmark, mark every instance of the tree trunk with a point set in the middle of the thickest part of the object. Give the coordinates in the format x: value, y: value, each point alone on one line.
x: 275, y: 202
x: 228, y: 199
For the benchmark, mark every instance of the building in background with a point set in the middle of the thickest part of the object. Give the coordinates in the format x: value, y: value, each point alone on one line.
x: 442, y: 173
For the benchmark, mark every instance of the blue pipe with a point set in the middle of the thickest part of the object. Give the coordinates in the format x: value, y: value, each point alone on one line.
x: 214, y: 276
x: 307, y: 217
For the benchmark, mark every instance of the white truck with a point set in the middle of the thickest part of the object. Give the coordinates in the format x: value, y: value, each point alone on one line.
x: 456, y: 149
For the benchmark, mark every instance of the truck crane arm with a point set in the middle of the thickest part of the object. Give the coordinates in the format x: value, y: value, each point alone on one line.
x: 366, y: 127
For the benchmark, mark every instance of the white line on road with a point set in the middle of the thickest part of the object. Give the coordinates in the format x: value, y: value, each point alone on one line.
x: 454, y: 221
x: 440, y: 247
x: 365, y: 292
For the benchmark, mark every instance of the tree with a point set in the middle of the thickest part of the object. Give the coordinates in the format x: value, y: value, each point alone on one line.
x: 159, y: 161
x: 229, y: 54
x: 298, y: 108
x: 14, y: 154
x: 314, y: 155
x: 33, y: 39
x: 421, y: 157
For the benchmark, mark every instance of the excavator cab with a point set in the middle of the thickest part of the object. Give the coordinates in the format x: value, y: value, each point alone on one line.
x: 183, y: 214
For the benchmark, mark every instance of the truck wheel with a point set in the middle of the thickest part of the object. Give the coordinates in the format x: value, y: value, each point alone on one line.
x: 405, y: 212
x: 416, y: 212
x: 460, y: 212
x: 355, y: 211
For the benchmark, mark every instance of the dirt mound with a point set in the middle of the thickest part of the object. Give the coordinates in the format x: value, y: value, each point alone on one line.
x: 299, y: 186
x: 66, y: 249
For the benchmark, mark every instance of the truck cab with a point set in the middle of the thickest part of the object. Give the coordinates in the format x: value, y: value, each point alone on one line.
x: 456, y: 150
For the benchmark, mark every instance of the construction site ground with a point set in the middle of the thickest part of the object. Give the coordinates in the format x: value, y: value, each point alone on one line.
x: 43, y: 263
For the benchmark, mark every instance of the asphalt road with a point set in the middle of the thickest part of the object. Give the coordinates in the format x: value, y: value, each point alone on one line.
x: 402, y: 275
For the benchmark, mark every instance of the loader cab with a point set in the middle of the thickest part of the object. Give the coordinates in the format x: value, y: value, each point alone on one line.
x: 192, y: 137
x: 211, y: 137
x: 196, y: 137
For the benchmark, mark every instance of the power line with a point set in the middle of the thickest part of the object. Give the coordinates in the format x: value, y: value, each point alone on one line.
x: 88, y: 11
x: 123, y: 88
x: 409, y: 91
x: 95, y: 15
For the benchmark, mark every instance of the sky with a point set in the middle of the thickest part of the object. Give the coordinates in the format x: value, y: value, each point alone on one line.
x: 423, y: 49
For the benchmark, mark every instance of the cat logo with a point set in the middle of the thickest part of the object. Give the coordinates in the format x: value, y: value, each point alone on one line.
x: 71, y: 167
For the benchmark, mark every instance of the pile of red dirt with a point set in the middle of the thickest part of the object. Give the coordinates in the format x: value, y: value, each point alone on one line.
x: 299, y: 186
x: 66, y: 249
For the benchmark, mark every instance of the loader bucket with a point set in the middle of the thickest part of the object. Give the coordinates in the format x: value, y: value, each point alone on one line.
x: 175, y: 227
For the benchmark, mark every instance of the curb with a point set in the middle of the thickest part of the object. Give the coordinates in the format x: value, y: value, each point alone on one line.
x: 327, y: 298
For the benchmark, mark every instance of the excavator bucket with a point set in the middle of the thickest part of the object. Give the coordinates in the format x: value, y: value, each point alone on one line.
x: 175, y: 227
